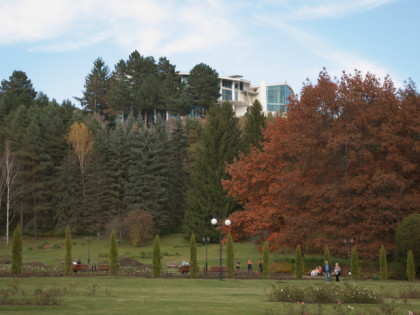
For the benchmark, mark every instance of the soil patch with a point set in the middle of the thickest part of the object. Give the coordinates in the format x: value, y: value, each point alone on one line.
x: 129, y: 262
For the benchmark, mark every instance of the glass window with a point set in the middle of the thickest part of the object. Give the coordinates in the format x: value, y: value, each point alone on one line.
x: 241, y: 86
x: 227, y: 83
x: 226, y: 95
x: 277, y: 98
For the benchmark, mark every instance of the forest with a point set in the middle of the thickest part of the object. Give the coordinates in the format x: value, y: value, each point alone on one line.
x: 343, y: 161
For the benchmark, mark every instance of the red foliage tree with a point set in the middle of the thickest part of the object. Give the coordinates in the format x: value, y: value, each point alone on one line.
x: 344, y: 163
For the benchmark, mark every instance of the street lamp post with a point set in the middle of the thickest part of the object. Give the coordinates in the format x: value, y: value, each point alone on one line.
x: 348, y: 243
x: 206, y: 240
x: 88, y: 239
x: 219, y: 222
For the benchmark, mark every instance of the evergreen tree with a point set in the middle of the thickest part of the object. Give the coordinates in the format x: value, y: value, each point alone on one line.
x: 298, y: 263
x: 156, y: 263
x: 218, y: 145
x: 411, y: 269
x: 254, y: 126
x: 16, y: 252
x: 193, y: 257
x: 266, y: 261
x: 354, y: 262
x: 68, y: 259
x: 113, y: 254
x: 230, y: 258
x: 203, y: 85
x: 327, y: 255
x: 383, y: 264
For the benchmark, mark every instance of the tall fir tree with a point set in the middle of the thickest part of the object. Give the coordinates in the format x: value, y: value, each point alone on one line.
x: 156, y: 260
x: 354, y: 263
x: 254, y: 126
x: 113, y: 254
x: 266, y: 261
x: 193, y: 257
x: 230, y: 257
x: 16, y: 268
x: 383, y: 264
x: 68, y: 258
x: 411, y: 269
x: 219, y: 144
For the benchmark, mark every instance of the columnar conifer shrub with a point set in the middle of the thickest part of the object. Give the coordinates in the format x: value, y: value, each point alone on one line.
x: 327, y: 255
x: 193, y: 257
x: 156, y: 263
x: 266, y: 261
x: 68, y: 258
x: 383, y: 264
x: 298, y: 263
x: 354, y: 262
x: 230, y: 259
x: 113, y: 254
x: 17, y: 252
x: 407, y: 236
x: 411, y: 270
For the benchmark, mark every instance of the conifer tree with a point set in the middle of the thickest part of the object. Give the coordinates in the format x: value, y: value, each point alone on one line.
x: 383, y: 264
x: 411, y: 269
x: 156, y: 263
x: 230, y: 259
x: 254, y: 126
x: 68, y: 259
x: 327, y: 255
x: 113, y: 254
x: 298, y: 263
x: 193, y: 257
x: 354, y: 262
x: 16, y: 252
x: 266, y: 261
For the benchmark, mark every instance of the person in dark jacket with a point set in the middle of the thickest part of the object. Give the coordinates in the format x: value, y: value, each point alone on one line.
x: 327, y: 271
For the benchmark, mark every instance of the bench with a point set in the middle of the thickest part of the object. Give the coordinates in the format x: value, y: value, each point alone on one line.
x: 79, y: 267
x: 103, y: 267
x: 173, y: 264
x: 217, y: 269
x: 184, y: 269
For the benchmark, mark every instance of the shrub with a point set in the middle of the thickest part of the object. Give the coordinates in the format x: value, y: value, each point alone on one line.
x: 354, y: 262
x: 68, y: 258
x: 407, y: 236
x: 113, y: 254
x: 266, y: 262
x: 230, y: 259
x: 281, y: 267
x: 17, y: 252
x: 411, y: 271
x: 156, y: 261
x: 193, y: 257
x: 382, y: 264
x: 139, y: 226
x: 298, y: 263
x: 327, y: 255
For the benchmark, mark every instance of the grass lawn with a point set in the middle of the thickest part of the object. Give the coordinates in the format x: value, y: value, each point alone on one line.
x: 124, y: 295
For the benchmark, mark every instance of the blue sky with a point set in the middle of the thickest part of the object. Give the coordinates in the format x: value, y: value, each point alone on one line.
x: 56, y: 41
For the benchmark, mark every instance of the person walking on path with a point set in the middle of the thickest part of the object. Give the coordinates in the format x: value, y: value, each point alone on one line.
x: 238, y: 265
x: 337, y: 271
x: 327, y: 271
x: 249, y: 266
x: 260, y: 265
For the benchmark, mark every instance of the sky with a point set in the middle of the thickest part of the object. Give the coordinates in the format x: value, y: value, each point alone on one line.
x: 55, y: 42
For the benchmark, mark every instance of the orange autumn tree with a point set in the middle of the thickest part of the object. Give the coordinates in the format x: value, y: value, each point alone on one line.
x: 344, y: 163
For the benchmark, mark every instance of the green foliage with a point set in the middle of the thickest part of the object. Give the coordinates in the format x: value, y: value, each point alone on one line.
x: 354, y: 263
x: 113, y: 254
x: 254, y: 125
x: 193, y: 257
x: 407, y: 236
x: 383, y: 264
x: 266, y: 261
x: 68, y: 259
x: 327, y: 255
x: 16, y: 252
x: 298, y: 263
x: 411, y: 270
x: 230, y: 259
x: 156, y: 262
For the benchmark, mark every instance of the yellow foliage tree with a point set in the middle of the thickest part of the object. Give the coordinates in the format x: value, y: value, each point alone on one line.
x: 81, y: 140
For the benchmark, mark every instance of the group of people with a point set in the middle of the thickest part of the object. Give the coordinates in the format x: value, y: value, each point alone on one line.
x: 327, y: 271
x: 260, y: 266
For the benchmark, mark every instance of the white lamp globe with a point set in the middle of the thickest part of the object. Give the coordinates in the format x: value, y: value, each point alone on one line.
x: 227, y: 222
x: 214, y: 221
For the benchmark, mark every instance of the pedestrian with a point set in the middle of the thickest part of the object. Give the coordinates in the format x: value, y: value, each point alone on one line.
x: 249, y: 266
x: 327, y: 271
x: 260, y: 265
x: 238, y: 265
x: 337, y: 271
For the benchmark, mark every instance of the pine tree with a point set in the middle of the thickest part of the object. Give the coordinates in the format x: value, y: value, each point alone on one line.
x: 254, y: 126
x: 193, y: 257
x: 411, y: 269
x: 68, y: 259
x: 16, y: 252
x: 230, y: 259
x: 383, y: 264
x: 298, y: 263
x: 266, y: 261
x: 327, y: 255
x: 220, y: 142
x: 354, y: 262
x: 156, y: 263
x: 113, y: 254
